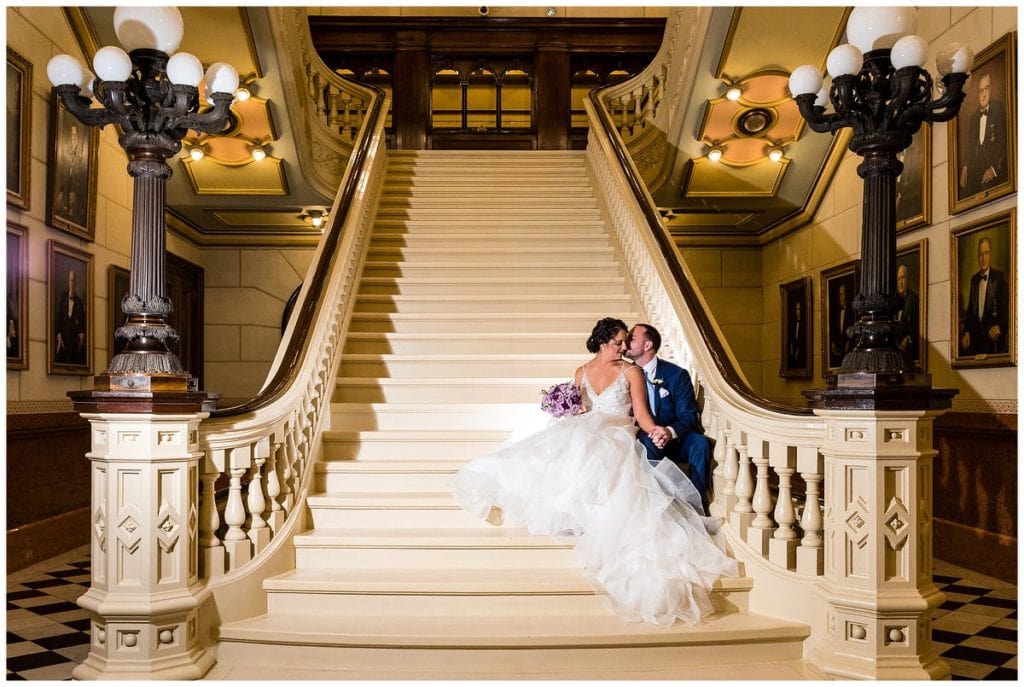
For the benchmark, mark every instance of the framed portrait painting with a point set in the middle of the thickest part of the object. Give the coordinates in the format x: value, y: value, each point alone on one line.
x: 19, y: 129
x: 117, y: 289
x: 914, y: 184
x: 984, y: 259
x: 797, y: 359
x: 982, y: 137
x: 839, y: 286
x: 71, y: 187
x: 912, y: 301
x: 17, y: 297
x: 68, y: 310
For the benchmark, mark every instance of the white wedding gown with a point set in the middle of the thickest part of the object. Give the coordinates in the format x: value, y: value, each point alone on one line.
x: 640, y: 534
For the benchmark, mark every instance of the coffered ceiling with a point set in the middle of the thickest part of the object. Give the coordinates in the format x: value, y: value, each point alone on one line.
x: 745, y: 196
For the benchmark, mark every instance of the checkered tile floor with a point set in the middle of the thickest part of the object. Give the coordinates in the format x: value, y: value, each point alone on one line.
x: 47, y: 633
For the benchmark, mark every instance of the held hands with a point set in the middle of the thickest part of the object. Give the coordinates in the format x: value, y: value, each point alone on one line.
x: 659, y: 436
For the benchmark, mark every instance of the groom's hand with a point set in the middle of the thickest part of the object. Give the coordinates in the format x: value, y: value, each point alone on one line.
x: 659, y: 436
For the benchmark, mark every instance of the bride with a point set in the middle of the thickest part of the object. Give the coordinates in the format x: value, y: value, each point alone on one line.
x: 640, y: 532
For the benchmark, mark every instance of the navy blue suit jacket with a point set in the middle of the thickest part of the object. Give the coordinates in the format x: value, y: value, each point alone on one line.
x: 675, y: 405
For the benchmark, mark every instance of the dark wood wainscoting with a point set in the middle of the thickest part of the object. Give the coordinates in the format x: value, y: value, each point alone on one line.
x: 975, y: 492
x: 47, y: 486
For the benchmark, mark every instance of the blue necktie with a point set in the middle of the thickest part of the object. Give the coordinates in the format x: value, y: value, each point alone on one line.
x: 650, y: 393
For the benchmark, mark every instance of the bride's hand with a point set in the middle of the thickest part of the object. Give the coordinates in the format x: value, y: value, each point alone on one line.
x: 582, y: 409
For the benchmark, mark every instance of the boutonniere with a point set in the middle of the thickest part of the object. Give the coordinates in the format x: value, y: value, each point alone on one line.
x: 657, y: 381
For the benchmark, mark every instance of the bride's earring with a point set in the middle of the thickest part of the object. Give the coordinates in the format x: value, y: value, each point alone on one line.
x: 495, y: 516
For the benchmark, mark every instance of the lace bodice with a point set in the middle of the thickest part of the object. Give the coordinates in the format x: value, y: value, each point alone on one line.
x: 614, y: 400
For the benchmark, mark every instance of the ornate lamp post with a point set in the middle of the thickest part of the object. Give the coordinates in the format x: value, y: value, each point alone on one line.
x: 154, y: 99
x: 880, y: 90
x: 145, y: 600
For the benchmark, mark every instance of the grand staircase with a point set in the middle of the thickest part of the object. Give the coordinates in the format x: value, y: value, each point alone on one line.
x: 485, y: 273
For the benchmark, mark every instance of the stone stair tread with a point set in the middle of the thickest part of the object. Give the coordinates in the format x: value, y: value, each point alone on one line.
x: 460, y: 581
x: 435, y: 537
x: 391, y: 466
x: 509, y: 631
x: 453, y: 381
x: 469, y: 297
x: 390, y: 499
x: 410, y: 434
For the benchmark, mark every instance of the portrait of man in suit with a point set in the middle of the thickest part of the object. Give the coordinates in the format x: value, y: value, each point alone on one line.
x: 908, y: 319
x: 840, y: 320
x: 69, y: 325
x: 986, y: 317
x: 72, y: 179
x: 983, y: 147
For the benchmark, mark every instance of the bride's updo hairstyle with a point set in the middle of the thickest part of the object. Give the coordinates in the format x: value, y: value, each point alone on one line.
x: 604, y: 331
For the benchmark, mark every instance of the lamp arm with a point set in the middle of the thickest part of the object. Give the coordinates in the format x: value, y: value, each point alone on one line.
x: 946, y: 107
x: 79, y: 107
x: 213, y: 121
x: 815, y: 115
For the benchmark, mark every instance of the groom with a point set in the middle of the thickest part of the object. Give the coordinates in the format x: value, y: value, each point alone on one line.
x: 672, y: 402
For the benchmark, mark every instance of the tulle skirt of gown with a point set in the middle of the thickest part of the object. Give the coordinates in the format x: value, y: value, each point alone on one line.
x: 640, y: 532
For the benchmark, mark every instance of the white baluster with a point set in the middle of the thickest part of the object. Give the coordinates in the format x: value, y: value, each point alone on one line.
x: 211, y: 551
x: 235, y: 541
x: 759, y: 533
x: 274, y: 488
x: 743, y: 511
x: 810, y: 555
x: 259, y: 532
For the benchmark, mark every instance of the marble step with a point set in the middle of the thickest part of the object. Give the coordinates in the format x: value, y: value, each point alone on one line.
x: 451, y: 390
x: 430, y: 444
x: 386, y: 417
x: 388, y: 510
x: 496, y: 225
x: 442, y: 366
x: 524, y: 253
x: 481, y: 322
x: 418, y: 548
x: 394, y: 197
x: 485, y: 647
x: 473, y: 303
x: 422, y: 475
x: 491, y: 268
x: 487, y: 240
x: 493, y: 286
x: 467, y: 342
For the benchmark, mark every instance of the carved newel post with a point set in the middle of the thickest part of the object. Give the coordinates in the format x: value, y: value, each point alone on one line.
x: 145, y: 590
x: 879, y: 409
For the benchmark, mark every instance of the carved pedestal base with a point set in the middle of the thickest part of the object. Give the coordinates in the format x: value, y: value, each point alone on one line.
x: 877, y: 586
x: 145, y: 592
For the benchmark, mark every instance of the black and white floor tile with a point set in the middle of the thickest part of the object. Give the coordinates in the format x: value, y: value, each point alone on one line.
x: 48, y: 634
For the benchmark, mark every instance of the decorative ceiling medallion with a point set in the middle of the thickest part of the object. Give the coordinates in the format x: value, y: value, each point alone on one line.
x: 761, y: 118
x: 264, y: 178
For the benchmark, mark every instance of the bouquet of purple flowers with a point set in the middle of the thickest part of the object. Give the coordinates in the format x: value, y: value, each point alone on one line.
x: 561, y: 400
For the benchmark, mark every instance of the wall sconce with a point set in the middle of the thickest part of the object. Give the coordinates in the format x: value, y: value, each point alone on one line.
x: 259, y: 153
x: 775, y: 154
x: 715, y: 154
x: 315, y: 217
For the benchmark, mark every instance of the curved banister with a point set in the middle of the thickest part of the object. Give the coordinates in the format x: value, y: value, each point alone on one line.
x: 297, y: 333
x: 716, y: 346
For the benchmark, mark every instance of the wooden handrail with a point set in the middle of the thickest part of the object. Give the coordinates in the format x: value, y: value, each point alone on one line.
x: 716, y: 346
x: 299, y: 341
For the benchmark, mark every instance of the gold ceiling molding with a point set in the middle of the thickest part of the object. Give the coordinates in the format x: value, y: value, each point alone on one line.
x: 759, y: 179
x: 201, y: 236
x: 278, y: 218
x: 263, y: 178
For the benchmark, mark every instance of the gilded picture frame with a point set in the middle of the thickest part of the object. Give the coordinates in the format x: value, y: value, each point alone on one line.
x: 983, y: 149
x: 69, y: 321
x: 71, y: 173
x: 19, y: 130
x: 796, y: 354
x: 117, y: 289
x: 839, y: 286
x: 984, y: 318
x: 17, y: 297
x: 912, y: 301
x: 914, y: 184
